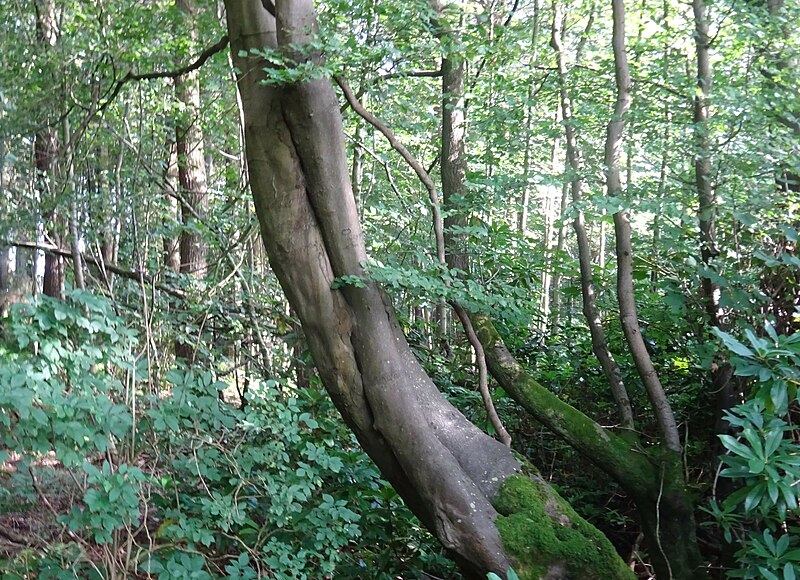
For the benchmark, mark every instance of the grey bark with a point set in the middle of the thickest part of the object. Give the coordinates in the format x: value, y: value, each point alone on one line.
x: 444, y: 467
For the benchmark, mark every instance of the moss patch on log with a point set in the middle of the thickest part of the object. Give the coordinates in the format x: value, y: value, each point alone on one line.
x: 548, y: 539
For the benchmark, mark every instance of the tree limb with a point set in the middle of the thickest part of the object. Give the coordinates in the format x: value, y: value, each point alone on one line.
x: 438, y: 223
x: 135, y: 275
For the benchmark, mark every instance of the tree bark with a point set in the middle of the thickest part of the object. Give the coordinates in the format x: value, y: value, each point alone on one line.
x: 191, y: 159
x: 446, y: 469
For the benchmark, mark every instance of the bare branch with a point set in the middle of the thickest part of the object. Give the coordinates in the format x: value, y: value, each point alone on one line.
x: 135, y: 275
x: 483, y: 384
x: 438, y: 224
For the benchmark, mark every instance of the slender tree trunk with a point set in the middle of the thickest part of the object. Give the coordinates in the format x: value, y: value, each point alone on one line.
x: 5, y: 270
x: 46, y: 159
x: 191, y: 159
x: 171, y: 243
x: 454, y: 175
x: 707, y: 206
x: 74, y: 229
x: 191, y: 166
x: 590, y: 310
x: 453, y: 158
x: 522, y: 216
x: 624, y: 247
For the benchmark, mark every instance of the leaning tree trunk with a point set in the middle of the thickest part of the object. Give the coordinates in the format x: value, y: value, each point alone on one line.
x: 446, y: 469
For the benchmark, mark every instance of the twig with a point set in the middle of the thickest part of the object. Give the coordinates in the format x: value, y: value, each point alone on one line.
x: 483, y: 385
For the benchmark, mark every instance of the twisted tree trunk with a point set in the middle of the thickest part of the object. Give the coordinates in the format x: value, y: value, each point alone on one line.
x: 448, y: 471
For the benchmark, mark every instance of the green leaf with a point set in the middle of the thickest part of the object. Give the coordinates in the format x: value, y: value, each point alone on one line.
x: 734, y: 345
x: 788, y: 571
x: 735, y: 446
x: 772, y: 441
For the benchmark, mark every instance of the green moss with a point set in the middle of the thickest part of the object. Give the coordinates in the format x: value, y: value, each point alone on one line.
x: 541, y: 532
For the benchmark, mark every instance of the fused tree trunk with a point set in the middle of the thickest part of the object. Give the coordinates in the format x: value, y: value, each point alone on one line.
x: 683, y: 558
x: 446, y: 469
x: 624, y: 247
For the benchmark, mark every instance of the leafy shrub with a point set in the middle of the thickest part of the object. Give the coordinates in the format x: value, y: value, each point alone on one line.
x: 763, y: 461
x: 176, y: 481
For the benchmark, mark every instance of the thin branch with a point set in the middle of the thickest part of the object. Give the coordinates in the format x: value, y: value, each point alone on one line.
x: 137, y: 276
x: 413, y: 73
x: 438, y: 224
x: 483, y: 384
x: 112, y: 93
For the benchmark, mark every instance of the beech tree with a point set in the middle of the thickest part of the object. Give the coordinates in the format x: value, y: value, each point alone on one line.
x: 343, y: 274
x: 465, y: 486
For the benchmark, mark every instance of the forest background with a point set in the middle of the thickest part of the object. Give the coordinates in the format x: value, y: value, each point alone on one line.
x: 423, y: 289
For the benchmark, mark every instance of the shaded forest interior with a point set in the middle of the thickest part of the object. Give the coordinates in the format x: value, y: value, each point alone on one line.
x: 426, y: 289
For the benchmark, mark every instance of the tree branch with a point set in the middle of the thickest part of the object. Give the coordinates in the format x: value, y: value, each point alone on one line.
x: 137, y: 276
x: 413, y: 73
x: 438, y: 224
x: 483, y: 383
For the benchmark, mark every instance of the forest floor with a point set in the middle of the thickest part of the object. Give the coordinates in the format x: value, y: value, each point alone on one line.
x: 32, y: 497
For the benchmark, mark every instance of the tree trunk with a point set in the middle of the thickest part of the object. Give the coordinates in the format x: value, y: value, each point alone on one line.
x: 707, y: 206
x: 46, y: 157
x: 668, y: 519
x: 446, y: 469
x: 193, y: 190
x: 171, y: 243
x: 191, y: 159
x: 590, y: 310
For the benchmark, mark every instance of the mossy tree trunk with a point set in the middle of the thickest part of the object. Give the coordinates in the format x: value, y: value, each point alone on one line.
x: 653, y: 479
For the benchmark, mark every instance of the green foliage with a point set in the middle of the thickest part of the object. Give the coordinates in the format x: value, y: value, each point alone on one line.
x: 275, y: 485
x: 63, y: 366
x: 762, y: 459
x: 111, y: 501
x: 510, y: 575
